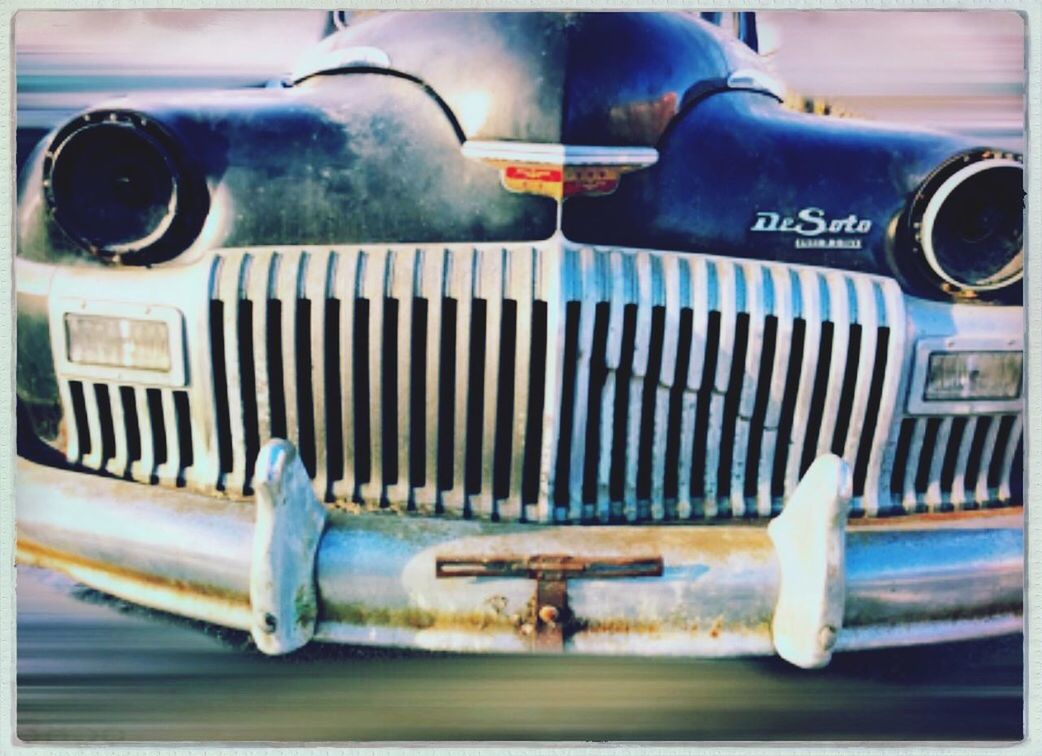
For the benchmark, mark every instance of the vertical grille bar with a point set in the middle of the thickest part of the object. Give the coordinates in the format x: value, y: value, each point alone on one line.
x: 1004, y: 492
x: 317, y: 291
x: 433, y: 268
x: 346, y: 290
x: 839, y: 314
x: 721, y: 382
x: 698, y: 301
x: 374, y: 282
x: 461, y: 283
x: 910, y: 499
x: 231, y: 277
x: 749, y: 280
x: 783, y: 311
x: 981, y: 493
x: 587, y: 291
x: 868, y: 318
x: 142, y: 468
x: 959, y: 498
x: 521, y: 289
x: 619, y: 285
x: 169, y: 472
x: 259, y: 291
x: 402, y: 289
x: 550, y: 286
x: 94, y: 459
x: 933, y: 497
x: 72, y: 435
x: 812, y: 307
x: 288, y: 291
x: 884, y: 444
x: 670, y: 274
x: 489, y: 286
x: 642, y: 346
x: 117, y: 464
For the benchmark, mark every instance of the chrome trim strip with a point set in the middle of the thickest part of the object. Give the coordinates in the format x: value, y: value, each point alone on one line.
x: 559, y: 154
x: 756, y: 80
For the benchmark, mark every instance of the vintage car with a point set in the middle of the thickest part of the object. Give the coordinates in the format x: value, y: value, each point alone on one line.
x: 525, y: 331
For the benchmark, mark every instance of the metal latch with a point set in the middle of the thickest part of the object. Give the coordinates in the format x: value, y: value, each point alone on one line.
x: 553, y: 619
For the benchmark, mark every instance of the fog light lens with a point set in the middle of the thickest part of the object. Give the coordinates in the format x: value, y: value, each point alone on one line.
x: 118, y: 342
x: 973, y: 375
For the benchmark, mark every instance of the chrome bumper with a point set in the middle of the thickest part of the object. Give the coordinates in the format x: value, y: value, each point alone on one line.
x: 288, y: 570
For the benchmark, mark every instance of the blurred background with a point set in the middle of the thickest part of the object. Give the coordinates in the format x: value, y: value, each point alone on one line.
x: 954, y: 70
x: 93, y: 668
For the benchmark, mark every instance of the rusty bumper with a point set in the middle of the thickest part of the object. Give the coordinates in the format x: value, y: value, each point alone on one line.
x: 289, y: 572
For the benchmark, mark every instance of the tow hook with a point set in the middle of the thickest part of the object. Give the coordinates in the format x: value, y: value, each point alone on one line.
x: 553, y: 620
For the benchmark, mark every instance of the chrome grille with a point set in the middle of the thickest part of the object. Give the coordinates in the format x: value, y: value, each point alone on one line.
x: 144, y: 434
x: 548, y: 382
x: 957, y: 463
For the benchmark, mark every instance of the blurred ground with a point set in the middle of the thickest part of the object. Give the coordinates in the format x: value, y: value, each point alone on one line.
x: 94, y: 668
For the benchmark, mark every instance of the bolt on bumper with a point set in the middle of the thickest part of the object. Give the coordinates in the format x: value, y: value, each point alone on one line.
x: 288, y: 570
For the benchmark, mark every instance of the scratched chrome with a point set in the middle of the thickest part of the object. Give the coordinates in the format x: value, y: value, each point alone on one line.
x: 486, y: 446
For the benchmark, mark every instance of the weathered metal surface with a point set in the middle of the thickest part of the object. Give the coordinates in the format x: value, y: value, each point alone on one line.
x: 375, y: 574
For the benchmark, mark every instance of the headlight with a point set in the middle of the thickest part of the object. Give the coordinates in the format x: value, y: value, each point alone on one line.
x: 114, y: 185
x: 968, y: 222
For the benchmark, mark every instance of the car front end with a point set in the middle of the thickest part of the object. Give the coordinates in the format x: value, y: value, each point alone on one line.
x: 628, y: 360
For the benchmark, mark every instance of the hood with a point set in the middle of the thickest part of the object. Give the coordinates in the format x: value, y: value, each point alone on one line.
x: 564, y: 78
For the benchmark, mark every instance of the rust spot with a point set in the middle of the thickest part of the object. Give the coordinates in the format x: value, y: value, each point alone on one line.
x: 716, y: 627
x: 548, y: 613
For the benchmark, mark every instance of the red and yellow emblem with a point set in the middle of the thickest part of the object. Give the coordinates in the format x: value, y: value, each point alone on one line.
x: 560, y: 171
x: 559, y: 181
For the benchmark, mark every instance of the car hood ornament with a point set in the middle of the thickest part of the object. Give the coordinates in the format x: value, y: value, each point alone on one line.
x: 560, y: 170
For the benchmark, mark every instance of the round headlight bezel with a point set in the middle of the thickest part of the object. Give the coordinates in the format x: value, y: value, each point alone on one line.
x: 927, y: 204
x: 188, y: 198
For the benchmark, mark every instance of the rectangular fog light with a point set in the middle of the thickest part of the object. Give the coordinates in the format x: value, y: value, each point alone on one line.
x: 992, y: 375
x: 118, y: 342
